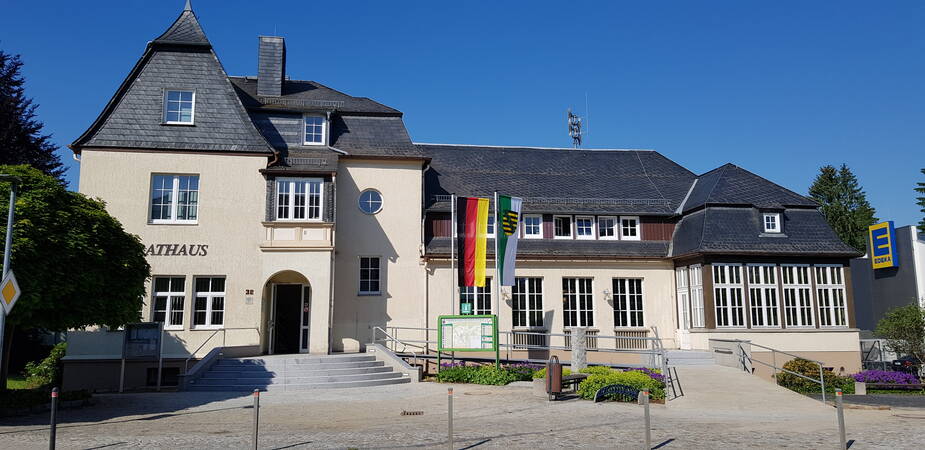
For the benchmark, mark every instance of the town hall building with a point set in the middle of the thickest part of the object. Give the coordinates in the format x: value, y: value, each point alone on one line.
x: 296, y: 218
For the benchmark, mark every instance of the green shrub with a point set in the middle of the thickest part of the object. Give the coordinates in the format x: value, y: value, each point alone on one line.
x: 542, y: 373
x: 636, y: 380
x: 597, y: 370
x: 48, y: 371
x: 483, y: 374
x: 811, y: 369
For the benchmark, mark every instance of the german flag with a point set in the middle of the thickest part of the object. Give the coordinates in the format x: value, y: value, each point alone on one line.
x: 472, y: 239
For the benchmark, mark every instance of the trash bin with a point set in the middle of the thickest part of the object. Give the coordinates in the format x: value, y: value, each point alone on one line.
x: 553, y: 377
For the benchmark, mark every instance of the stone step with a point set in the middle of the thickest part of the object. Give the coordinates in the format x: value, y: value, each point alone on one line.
x: 249, y: 387
x: 226, y: 374
x: 289, y: 360
x: 298, y: 380
x: 297, y: 367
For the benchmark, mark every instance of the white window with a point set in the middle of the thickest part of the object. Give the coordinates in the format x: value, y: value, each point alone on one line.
x: 607, y: 227
x: 527, y: 302
x: 727, y: 295
x: 578, y: 302
x: 314, y: 130
x: 683, y: 297
x: 370, y: 201
x: 298, y: 199
x: 627, y: 302
x: 798, y: 296
x: 477, y: 298
x: 533, y: 226
x: 169, y: 295
x: 629, y: 228
x: 179, y: 107
x: 209, y: 307
x: 370, y: 275
x: 830, y: 292
x: 584, y: 227
x: 762, y: 295
x: 562, y: 227
x: 771, y: 222
x: 174, y: 198
x: 697, y: 310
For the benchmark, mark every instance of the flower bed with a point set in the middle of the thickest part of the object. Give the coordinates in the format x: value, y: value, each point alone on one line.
x: 485, y: 373
x: 640, y: 378
x: 885, y: 377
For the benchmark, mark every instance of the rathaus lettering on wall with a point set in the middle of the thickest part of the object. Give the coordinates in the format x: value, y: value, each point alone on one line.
x: 177, y: 250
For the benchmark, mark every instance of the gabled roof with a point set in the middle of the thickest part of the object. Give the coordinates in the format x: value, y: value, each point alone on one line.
x: 558, y: 179
x: 739, y: 230
x: 181, y: 58
x: 307, y: 96
x: 733, y: 185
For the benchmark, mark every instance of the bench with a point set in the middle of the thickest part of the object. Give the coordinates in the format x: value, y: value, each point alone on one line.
x: 910, y: 387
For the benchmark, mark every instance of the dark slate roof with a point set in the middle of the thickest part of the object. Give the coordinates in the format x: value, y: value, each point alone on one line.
x: 558, y: 180
x: 307, y: 96
x: 733, y: 185
x: 538, y: 248
x: 372, y: 136
x: 133, y: 117
x: 732, y: 230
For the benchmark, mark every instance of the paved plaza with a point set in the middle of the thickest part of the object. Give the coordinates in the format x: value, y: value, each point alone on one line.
x: 723, y: 408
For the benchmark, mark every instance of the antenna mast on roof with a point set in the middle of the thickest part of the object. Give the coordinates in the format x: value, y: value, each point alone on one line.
x: 574, y: 128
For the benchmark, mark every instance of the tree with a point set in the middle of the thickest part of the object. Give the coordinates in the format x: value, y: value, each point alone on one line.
x: 844, y: 204
x: 21, y: 138
x: 904, y: 331
x: 75, y: 264
x: 921, y: 202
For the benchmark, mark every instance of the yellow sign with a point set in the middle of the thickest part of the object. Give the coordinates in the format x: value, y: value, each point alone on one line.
x: 9, y: 292
x: 883, y: 245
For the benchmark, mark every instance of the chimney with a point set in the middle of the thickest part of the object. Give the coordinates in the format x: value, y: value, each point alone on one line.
x: 271, y: 66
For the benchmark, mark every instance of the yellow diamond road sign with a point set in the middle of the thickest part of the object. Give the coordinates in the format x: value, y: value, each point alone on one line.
x: 9, y: 292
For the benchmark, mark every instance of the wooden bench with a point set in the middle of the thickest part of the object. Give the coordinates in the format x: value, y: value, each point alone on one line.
x: 572, y: 381
x: 910, y: 387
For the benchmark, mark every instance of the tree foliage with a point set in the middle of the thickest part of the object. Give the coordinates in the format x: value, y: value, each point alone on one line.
x: 21, y: 138
x: 75, y: 264
x: 904, y: 331
x: 844, y: 204
x: 920, y: 189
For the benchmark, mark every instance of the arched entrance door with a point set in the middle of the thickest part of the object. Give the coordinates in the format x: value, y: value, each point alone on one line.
x: 290, y: 313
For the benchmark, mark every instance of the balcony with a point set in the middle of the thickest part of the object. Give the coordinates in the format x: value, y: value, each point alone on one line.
x: 282, y: 236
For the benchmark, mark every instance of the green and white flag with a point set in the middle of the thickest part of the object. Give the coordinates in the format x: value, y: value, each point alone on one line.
x: 509, y: 212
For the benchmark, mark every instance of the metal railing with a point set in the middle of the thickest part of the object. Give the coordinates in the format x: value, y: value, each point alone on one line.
x: 748, y: 363
x: 221, y: 348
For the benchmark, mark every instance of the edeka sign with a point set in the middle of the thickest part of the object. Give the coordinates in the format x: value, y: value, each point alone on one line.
x: 883, y: 245
x: 177, y: 250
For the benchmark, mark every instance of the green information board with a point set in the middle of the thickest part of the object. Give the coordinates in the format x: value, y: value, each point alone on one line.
x: 467, y: 333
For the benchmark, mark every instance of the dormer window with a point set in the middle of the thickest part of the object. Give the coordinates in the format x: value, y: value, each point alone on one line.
x: 314, y: 130
x: 179, y: 107
x: 771, y: 222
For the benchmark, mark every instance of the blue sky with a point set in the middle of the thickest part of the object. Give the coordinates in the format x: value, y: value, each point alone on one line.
x: 779, y: 88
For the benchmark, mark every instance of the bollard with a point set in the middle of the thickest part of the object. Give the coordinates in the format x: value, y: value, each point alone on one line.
x: 644, y: 400
x: 449, y: 412
x: 839, y: 408
x: 54, y: 418
x: 256, y: 417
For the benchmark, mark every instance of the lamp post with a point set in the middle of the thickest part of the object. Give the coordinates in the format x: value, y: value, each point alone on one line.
x: 7, y: 250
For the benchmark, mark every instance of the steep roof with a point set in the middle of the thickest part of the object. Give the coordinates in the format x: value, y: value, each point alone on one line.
x: 557, y: 179
x: 739, y: 230
x: 307, y: 96
x: 181, y: 58
x: 733, y: 185
x: 550, y: 248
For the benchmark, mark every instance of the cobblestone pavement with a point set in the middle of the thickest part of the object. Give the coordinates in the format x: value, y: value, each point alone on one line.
x: 486, y: 417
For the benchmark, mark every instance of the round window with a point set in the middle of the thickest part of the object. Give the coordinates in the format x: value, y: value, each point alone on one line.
x: 370, y: 201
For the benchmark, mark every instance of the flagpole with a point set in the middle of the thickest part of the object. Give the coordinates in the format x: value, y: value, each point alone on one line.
x: 496, y: 298
x: 453, y: 254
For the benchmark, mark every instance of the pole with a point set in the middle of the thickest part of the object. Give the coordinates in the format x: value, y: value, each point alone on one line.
x: 453, y: 232
x: 644, y: 398
x: 7, y: 251
x: 256, y: 418
x: 449, y: 400
x: 497, y: 297
x: 840, y: 411
x: 54, y: 419
x: 160, y: 359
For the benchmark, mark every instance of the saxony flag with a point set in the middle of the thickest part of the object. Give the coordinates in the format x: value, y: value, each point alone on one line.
x: 509, y: 212
x: 472, y: 232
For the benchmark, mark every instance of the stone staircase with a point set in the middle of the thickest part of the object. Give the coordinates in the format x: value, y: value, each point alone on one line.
x: 689, y: 358
x: 297, y: 372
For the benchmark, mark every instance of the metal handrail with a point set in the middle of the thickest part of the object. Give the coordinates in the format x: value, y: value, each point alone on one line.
x: 222, y: 351
x: 743, y: 357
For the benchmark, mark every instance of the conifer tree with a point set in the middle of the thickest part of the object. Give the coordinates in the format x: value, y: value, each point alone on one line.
x: 21, y: 137
x: 844, y: 204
